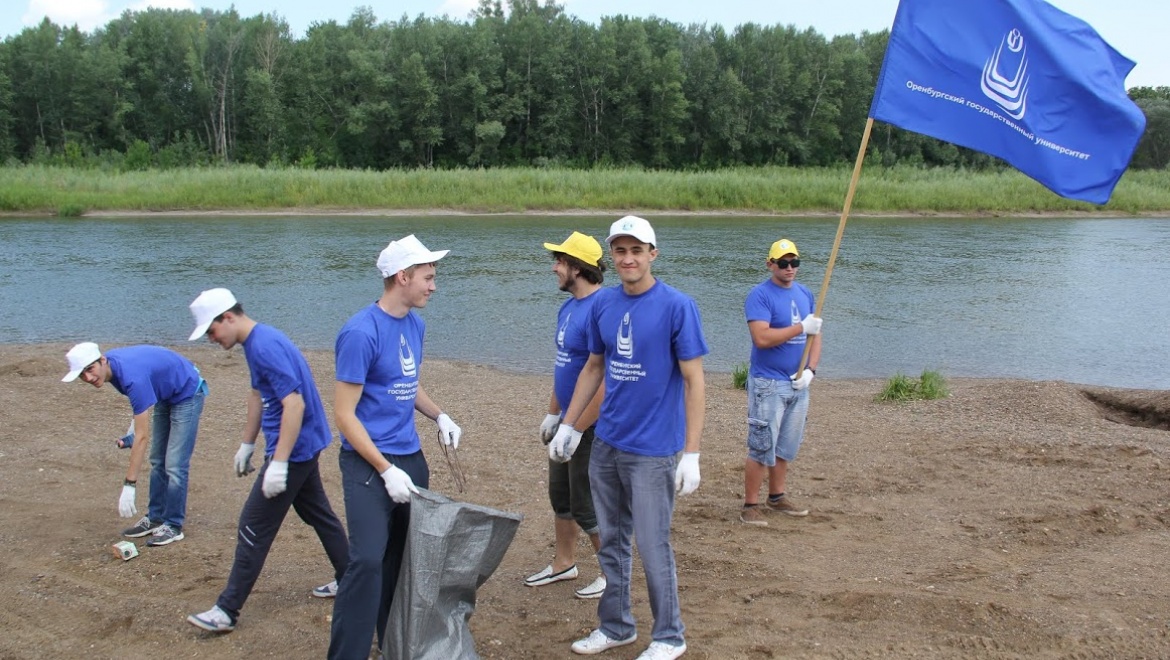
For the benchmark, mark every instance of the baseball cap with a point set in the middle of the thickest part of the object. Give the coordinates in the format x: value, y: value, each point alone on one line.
x: 781, y: 248
x: 404, y: 253
x: 79, y: 357
x: 210, y: 304
x: 632, y: 225
x: 580, y: 246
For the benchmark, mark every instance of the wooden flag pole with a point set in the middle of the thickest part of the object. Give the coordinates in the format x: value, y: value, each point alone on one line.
x: 840, y: 232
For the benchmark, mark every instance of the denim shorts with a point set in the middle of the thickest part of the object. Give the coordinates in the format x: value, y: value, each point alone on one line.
x: 776, y: 416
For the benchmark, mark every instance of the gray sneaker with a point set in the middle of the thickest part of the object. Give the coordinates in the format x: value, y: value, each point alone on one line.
x: 165, y: 535
x: 141, y: 528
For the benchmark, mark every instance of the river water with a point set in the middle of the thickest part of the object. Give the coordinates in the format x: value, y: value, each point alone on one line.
x: 1081, y: 300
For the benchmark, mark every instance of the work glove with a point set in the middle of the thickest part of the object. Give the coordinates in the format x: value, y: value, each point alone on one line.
x: 564, y: 443
x: 126, y: 507
x: 126, y: 441
x: 275, y: 479
x: 244, y: 459
x: 449, y: 432
x: 398, y: 484
x: 686, y: 475
x: 803, y: 380
x: 811, y: 324
x: 548, y: 428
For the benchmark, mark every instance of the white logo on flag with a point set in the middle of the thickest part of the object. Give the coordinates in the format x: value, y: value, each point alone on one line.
x: 1011, y: 94
x: 406, y: 357
x: 625, y: 340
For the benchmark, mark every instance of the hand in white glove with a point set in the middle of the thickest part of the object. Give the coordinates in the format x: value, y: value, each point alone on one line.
x: 803, y: 380
x: 686, y: 475
x: 812, y: 324
x: 564, y: 443
x: 126, y: 507
x: 548, y: 428
x: 275, y: 479
x: 244, y: 459
x: 398, y: 484
x: 449, y: 431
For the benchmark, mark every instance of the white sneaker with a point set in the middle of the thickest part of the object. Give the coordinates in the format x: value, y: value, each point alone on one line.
x: 594, y: 590
x: 326, y: 590
x: 547, y: 576
x: 213, y: 620
x: 597, y: 642
x: 662, y: 651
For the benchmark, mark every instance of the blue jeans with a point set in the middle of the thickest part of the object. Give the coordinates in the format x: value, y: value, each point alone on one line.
x: 634, y: 499
x: 377, y: 540
x: 568, y: 486
x: 172, y: 440
x: 776, y: 416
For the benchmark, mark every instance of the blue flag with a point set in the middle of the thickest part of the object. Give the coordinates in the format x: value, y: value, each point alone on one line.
x: 1017, y: 79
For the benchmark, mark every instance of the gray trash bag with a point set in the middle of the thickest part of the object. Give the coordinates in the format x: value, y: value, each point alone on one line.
x: 452, y: 549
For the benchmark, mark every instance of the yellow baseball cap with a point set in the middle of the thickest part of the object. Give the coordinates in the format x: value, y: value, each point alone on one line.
x: 580, y: 246
x: 781, y: 248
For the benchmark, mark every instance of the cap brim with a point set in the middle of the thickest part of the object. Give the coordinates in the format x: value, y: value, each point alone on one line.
x: 72, y: 376
x: 200, y: 330
x: 554, y: 248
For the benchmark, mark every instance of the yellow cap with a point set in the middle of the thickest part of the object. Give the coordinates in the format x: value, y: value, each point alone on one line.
x: 580, y: 246
x: 781, y: 248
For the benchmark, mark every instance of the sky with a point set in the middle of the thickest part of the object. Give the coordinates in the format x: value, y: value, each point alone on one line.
x: 1136, y: 28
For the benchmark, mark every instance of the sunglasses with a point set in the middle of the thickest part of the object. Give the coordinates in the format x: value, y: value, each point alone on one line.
x: 785, y: 263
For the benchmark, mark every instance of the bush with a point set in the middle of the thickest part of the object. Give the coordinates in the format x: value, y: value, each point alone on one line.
x: 739, y: 376
x: 931, y: 385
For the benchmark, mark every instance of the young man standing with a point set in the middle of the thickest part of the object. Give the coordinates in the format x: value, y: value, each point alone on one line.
x: 579, y: 270
x: 285, y: 405
x: 646, y: 343
x: 163, y: 388
x: 379, y: 354
x: 780, y: 319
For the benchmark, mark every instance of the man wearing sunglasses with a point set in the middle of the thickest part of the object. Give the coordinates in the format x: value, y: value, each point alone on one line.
x: 166, y: 396
x: 780, y: 320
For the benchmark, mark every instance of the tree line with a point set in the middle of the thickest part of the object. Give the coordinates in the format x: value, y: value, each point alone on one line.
x: 521, y: 85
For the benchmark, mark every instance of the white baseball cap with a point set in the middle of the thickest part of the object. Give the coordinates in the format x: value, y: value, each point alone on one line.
x: 404, y: 253
x: 210, y: 304
x: 79, y: 357
x: 632, y: 225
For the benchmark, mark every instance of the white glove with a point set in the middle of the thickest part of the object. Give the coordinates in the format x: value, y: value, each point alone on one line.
x: 564, y: 443
x: 686, y: 475
x: 802, y: 381
x: 548, y: 428
x: 126, y: 507
x: 812, y: 324
x: 449, y: 431
x: 275, y: 479
x: 398, y: 484
x: 244, y: 459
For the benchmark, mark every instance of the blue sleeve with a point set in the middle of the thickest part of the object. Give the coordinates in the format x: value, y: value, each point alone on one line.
x: 141, y: 397
x: 689, y: 342
x: 278, y: 371
x: 756, y: 307
x: 593, y: 329
x: 353, y: 354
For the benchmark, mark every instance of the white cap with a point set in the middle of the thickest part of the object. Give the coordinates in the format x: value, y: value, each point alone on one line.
x: 210, y: 304
x: 79, y: 357
x: 404, y: 253
x: 632, y: 225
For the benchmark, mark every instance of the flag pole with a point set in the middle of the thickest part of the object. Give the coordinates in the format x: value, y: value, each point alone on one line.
x: 840, y: 232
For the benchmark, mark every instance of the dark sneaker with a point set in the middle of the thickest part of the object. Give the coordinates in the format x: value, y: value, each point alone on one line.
x: 326, y: 590
x: 785, y: 506
x: 213, y: 620
x: 141, y: 528
x: 752, y: 516
x: 165, y: 535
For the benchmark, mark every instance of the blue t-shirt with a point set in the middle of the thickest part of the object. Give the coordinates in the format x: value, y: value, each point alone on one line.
x: 781, y: 307
x: 572, y: 342
x: 279, y: 369
x: 152, y: 374
x: 643, y: 338
x: 383, y: 354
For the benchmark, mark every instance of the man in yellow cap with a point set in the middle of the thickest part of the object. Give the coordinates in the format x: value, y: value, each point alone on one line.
x: 579, y: 269
x: 780, y: 319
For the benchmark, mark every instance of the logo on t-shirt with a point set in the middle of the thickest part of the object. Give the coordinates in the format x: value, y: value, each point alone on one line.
x: 406, y: 358
x: 561, y: 331
x: 625, y: 337
x: 796, y: 317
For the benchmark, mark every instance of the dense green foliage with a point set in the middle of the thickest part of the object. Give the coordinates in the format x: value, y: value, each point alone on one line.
x: 739, y: 376
x: 530, y: 86
x: 900, y: 387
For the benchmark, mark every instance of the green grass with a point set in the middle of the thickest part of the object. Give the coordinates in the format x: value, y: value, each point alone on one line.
x: 739, y: 376
x: 901, y: 190
x: 901, y: 387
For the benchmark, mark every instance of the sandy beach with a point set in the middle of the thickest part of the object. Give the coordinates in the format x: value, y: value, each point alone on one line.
x: 1014, y: 519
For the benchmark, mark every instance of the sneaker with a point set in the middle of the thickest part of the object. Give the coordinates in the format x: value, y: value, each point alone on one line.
x: 662, y: 651
x: 751, y: 515
x: 548, y: 577
x: 326, y: 590
x: 141, y: 528
x: 597, y: 642
x: 213, y: 620
x: 164, y: 535
x: 594, y: 590
x: 785, y: 505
